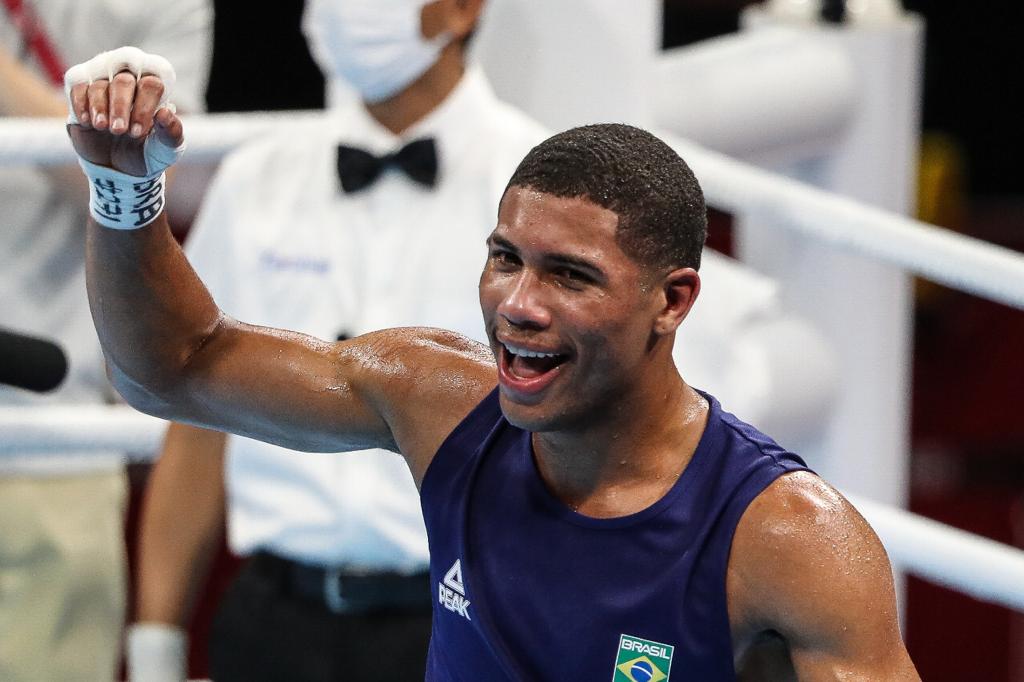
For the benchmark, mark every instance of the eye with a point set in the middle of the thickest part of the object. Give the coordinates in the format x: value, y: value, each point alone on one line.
x: 573, y: 276
x: 503, y: 258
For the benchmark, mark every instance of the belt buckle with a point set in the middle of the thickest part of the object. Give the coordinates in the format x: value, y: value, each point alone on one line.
x: 332, y: 591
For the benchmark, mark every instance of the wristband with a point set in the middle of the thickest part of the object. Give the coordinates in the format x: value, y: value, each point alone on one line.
x: 121, y: 201
x: 156, y: 652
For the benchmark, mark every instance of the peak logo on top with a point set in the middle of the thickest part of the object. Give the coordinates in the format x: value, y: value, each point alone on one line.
x: 451, y: 592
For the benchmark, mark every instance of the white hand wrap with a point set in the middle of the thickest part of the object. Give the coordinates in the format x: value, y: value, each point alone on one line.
x: 121, y: 201
x: 156, y: 652
x: 118, y: 200
x: 106, y: 65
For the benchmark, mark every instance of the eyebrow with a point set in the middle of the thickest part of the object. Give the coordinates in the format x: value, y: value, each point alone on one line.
x: 495, y: 240
x: 554, y: 259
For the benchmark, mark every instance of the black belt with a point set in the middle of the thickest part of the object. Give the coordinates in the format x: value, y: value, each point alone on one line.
x: 346, y: 591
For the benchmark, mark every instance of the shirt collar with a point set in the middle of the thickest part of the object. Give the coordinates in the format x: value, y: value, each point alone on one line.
x: 451, y: 123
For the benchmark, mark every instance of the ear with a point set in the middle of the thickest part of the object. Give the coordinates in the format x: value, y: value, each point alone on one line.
x: 462, y: 17
x: 456, y: 17
x: 679, y: 290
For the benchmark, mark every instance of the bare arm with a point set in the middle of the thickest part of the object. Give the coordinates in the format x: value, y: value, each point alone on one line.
x: 181, y: 525
x: 24, y: 94
x: 173, y: 353
x: 807, y: 570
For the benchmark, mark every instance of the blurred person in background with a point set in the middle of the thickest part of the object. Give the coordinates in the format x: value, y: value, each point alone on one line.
x: 408, y: 165
x: 62, y: 555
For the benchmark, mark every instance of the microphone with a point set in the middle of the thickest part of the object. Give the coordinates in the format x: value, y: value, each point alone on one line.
x: 833, y: 11
x: 31, y: 363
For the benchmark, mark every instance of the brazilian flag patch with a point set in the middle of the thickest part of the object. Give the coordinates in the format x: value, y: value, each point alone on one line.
x: 641, y: 660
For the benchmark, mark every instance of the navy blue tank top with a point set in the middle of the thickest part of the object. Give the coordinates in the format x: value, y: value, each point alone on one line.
x: 526, y: 589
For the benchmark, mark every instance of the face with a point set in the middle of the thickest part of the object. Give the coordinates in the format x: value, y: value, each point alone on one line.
x: 382, y: 46
x: 378, y: 46
x: 569, y: 316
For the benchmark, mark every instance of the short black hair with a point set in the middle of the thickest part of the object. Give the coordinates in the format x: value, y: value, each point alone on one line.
x: 662, y: 216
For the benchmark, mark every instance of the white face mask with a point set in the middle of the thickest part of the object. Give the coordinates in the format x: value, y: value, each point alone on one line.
x: 376, y: 45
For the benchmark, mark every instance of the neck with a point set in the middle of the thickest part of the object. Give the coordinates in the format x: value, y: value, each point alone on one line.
x: 400, y: 111
x: 628, y: 459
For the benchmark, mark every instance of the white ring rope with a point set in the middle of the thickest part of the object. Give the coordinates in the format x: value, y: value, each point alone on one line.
x: 942, y: 554
x: 939, y: 553
x: 982, y: 568
x: 940, y: 255
x: 52, y: 430
x: 209, y: 137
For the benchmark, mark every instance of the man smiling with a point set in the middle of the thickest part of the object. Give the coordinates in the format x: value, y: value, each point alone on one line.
x: 590, y: 515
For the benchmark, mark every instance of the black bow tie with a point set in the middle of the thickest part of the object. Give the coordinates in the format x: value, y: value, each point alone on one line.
x: 358, y: 168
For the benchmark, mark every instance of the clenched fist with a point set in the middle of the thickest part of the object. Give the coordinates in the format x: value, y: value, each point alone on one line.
x: 119, y: 116
x: 125, y: 133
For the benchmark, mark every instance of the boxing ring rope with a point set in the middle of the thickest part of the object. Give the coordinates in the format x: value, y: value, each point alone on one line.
x: 971, y: 564
x: 982, y: 568
x: 42, y: 431
x: 940, y: 255
x: 935, y: 253
x: 44, y: 141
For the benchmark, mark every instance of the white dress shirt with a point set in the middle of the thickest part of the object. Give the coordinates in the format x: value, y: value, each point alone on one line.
x: 279, y: 243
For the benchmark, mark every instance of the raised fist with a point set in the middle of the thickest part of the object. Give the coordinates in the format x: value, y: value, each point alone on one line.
x: 119, y: 115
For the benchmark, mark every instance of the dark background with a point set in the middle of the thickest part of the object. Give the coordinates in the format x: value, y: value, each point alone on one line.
x: 968, y: 435
x: 967, y: 430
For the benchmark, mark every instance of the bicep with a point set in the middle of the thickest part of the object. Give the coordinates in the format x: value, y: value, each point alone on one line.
x: 397, y: 389
x: 284, y: 388
x: 807, y: 566
x: 848, y: 629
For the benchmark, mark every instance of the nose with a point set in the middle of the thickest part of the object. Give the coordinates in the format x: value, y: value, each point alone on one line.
x: 523, y: 305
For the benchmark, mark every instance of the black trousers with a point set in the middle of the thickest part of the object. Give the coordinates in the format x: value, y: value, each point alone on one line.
x: 263, y: 631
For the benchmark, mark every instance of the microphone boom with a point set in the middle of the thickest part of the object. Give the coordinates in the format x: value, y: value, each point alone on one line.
x: 31, y: 363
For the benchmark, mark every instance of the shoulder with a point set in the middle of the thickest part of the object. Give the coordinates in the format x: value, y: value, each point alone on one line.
x: 512, y: 128
x: 798, y: 538
x: 519, y: 128
x: 514, y: 132
x: 272, y: 172
x: 807, y: 566
x: 419, y: 352
x: 424, y: 381
x: 294, y: 143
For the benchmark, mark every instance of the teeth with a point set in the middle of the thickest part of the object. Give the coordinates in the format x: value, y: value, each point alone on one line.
x: 528, y: 353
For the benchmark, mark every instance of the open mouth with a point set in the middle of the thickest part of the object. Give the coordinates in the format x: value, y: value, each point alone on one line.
x: 528, y: 370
